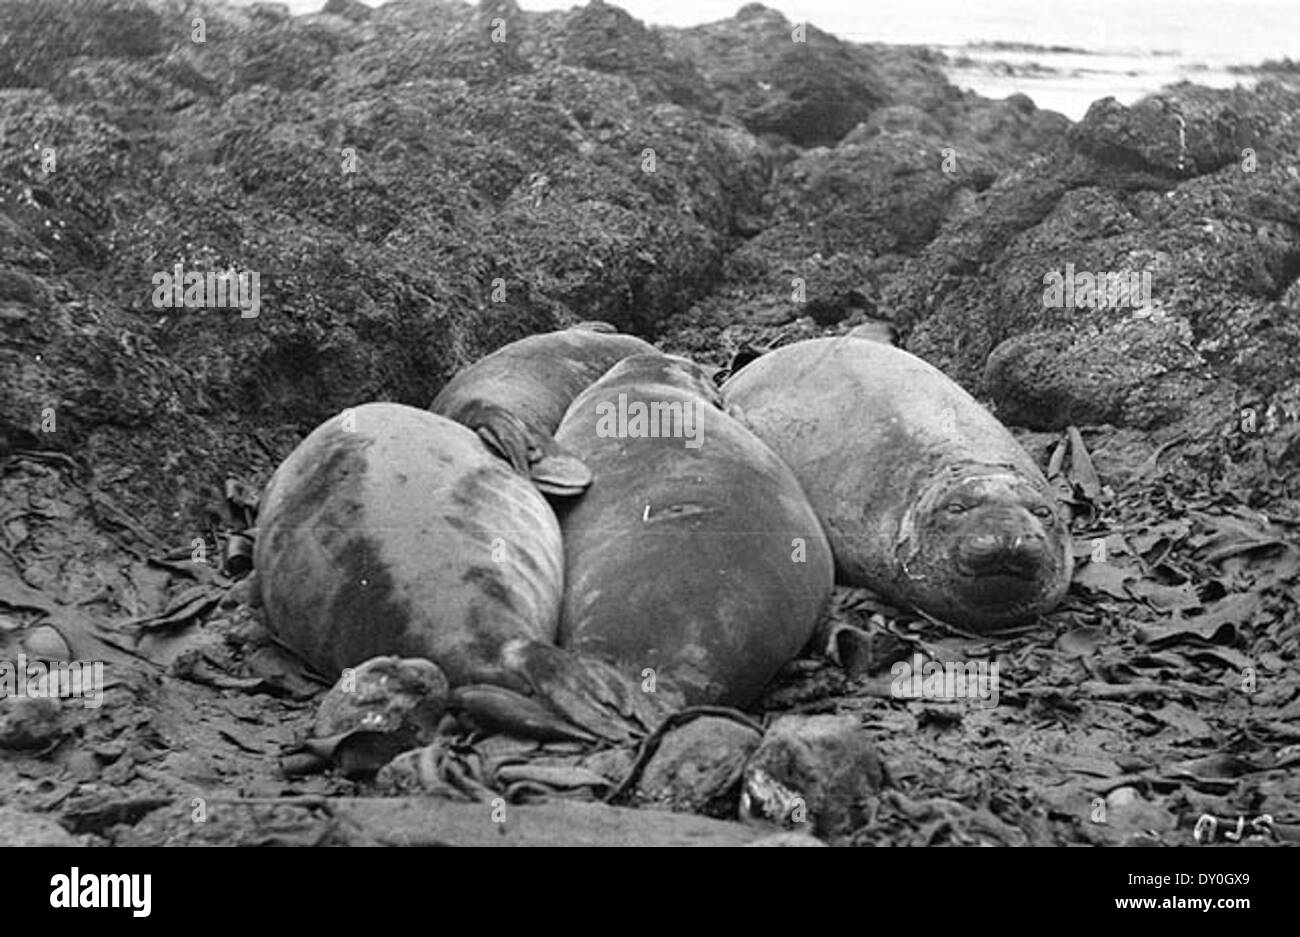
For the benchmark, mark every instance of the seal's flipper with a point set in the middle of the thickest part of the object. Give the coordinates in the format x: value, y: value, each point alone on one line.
x: 531, y: 453
x: 560, y: 474
x: 590, y: 693
x: 503, y: 432
x: 496, y: 709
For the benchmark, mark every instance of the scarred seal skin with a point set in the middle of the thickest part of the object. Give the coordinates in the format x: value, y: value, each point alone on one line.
x: 694, y: 554
x: 393, y: 531
x: 516, y: 397
x: 924, y: 495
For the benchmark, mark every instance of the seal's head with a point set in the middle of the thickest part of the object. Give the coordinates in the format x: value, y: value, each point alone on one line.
x: 985, y: 549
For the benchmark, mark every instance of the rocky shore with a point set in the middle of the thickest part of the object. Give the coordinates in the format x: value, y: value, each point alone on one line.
x: 675, y: 182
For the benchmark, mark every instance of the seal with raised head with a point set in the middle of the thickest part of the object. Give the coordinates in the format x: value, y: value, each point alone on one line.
x: 925, y: 497
x: 393, y: 531
x: 516, y: 397
x: 694, y: 554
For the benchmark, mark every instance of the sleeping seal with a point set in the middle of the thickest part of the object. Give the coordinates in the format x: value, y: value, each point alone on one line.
x: 393, y: 531
x: 515, y: 397
x: 925, y: 496
x: 694, y: 553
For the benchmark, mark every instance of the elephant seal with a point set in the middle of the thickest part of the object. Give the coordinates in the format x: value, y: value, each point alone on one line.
x: 694, y: 553
x: 516, y: 397
x: 925, y: 497
x: 393, y: 531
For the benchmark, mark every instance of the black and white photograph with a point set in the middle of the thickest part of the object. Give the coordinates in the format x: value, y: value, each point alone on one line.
x: 650, y: 423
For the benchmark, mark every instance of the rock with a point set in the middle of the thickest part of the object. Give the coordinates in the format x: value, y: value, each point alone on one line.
x: 838, y: 217
x: 1140, y: 373
x: 1122, y: 796
x: 875, y: 330
x: 887, y: 194
x: 1190, y: 132
x: 1011, y: 131
x: 897, y: 118
x: 1127, y: 813
x: 45, y: 643
x: 697, y: 767
x: 385, y: 694
x: 83, y: 766
x: 20, y: 828
x: 43, y: 36
x: 604, y: 38
x: 385, y: 706
x: 191, y: 767
x: 354, y: 10
x: 269, y: 14
x: 814, y: 770
x: 1216, y: 242
x: 811, y: 92
x: 537, y: 148
x: 29, y: 722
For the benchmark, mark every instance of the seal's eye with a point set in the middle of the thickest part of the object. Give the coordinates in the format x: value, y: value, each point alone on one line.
x: 955, y: 507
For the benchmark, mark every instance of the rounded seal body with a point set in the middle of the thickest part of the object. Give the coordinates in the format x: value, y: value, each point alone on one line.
x: 694, y: 554
x: 924, y: 495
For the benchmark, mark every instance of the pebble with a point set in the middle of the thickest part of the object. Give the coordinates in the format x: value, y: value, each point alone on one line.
x: 83, y: 766
x: 45, y: 642
x: 28, y: 722
x: 379, y: 709
x: 697, y: 767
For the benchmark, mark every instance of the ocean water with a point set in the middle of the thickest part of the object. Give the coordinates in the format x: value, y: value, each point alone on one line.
x: 1064, y: 55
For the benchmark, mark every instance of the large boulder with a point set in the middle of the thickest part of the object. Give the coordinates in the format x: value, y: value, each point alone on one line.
x: 806, y: 86
x: 1204, y: 225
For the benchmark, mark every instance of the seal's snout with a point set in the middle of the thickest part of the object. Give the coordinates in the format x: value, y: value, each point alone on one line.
x: 1003, y: 552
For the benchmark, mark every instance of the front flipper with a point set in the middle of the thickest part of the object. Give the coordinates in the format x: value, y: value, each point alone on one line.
x: 559, y: 474
x: 533, y: 454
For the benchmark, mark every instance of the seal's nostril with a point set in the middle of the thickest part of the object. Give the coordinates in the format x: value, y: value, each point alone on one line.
x: 982, y: 545
x: 1012, y: 552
